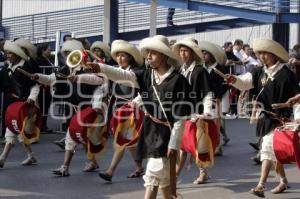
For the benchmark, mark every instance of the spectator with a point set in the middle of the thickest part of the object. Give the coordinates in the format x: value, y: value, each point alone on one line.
x: 249, y: 61
x: 67, y: 37
x: 238, y: 52
x: 171, y: 12
x: 295, y: 61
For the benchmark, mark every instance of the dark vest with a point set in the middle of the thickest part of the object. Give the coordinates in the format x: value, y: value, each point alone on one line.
x: 77, y: 93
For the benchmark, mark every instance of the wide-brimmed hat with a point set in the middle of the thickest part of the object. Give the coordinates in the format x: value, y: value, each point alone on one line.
x: 125, y: 46
x: 216, y: 51
x: 102, y: 46
x: 190, y: 43
x: 271, y: 46
x: 16, y: 49
x: 71, y: 45
x: 160, y: 44
x: 25, y: 43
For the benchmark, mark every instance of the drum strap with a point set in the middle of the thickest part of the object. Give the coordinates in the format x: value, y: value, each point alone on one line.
x: 156, y: 120
x: 157, y: 96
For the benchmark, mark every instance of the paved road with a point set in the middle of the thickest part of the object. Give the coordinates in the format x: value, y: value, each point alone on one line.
x: 232, y: 176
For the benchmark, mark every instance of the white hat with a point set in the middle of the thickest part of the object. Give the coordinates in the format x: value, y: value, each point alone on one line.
x: 160, y: 44
x: 216, y: 51
x: 190, y: 43
x: 102, y: 46
x: 125, y: 46
x: 71, y: 45
x: 271, y: 46
x: 14, y: 48
x: 25, y: 43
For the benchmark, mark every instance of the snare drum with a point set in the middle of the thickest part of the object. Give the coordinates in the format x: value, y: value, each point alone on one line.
x: 286, y: 143
x: 87, y: 127
x: 25, y: 119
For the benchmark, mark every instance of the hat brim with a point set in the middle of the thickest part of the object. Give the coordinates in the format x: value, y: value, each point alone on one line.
x: 271, y: 46
x: 71, y: 45
x: 103, y: 47
x: 159, y: 46
x: 24, y: 43
x: 216, y: 51
x: 14, y: 48
x: 190, y: 44
x: 123, y: 46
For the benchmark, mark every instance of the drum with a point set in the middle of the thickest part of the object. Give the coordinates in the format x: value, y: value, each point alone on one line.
x: 126, y: 125
x: 201, y: 138
x: 87, y: 127
x: 25, y: 119
x: 286, y: 143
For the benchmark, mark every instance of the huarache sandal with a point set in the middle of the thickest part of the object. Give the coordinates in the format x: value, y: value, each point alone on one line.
x: 258, y: 191
x: 279, y: 188
x: 136, y: 174
x: 105, y: 176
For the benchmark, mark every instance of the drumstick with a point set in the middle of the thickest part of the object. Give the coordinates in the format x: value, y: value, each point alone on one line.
x: 275, y: 116
x: 60, y: 75
x: 219, y: 73
x: 270, y: 113
x: 281, y: 105
x: 27, y: 74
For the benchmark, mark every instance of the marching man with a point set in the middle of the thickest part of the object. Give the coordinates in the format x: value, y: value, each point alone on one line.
x: 273, y: 83
x: 19, y: 88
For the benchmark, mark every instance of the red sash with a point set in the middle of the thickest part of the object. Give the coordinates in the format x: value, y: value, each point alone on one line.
x: 126, y: 125
x: 201, y: 138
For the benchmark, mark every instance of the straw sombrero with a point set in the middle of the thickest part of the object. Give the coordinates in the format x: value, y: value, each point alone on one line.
x: 160, y: 44
x: 271, y: 46
x: 25, y: 43
x: 71, y: 45
x: 216, y: 51
x: 14, y: 48
x: 190, y: 43
x: 102, y: 46
x: 125, y: 46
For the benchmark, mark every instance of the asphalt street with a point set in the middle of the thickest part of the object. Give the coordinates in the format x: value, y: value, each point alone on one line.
x: 232, y: 176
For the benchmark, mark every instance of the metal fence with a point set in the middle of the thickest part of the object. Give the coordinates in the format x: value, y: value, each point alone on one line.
x: 85, y: 22
x: 259, y: 5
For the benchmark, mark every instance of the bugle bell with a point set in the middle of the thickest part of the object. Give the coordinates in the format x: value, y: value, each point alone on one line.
x: 75, y: 58
x: 80, y: 58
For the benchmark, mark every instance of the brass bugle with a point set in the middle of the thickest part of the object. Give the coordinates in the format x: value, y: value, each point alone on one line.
x: 76, y: 58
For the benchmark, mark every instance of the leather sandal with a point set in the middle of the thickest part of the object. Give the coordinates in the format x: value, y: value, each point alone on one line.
x: 90, y: 166
x: 29, y: 161
x: 279, y: 188
x: 105, y: 176
x: 62, y: 171
x: 258, y: 191
x: 202, y: 178
x: 136, y: 174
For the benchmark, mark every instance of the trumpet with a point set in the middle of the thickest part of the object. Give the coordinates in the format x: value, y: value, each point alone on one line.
x: 80, y: 58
